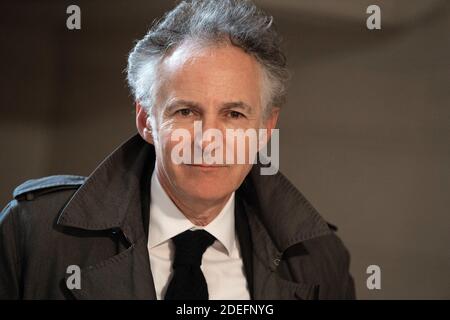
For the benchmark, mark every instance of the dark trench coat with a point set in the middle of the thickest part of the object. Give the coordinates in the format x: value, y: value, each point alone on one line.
x: 100, y: 223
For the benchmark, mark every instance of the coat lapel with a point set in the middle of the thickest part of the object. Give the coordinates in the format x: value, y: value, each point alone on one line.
x: 267, y: 281
x: 123, y: 276
x: 268, y: 246
x: 115, y: 197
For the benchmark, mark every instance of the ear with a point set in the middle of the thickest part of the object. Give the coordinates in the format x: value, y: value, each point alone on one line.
x: 271, y: 121
x: 142, y: 124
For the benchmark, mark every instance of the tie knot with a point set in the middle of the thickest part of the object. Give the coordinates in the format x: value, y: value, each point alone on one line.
x: 190, y: 246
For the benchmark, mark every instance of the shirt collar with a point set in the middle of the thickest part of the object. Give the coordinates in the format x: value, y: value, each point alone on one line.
x: 166, y: 220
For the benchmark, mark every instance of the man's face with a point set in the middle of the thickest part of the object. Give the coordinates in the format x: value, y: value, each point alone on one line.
x: 219, y: 86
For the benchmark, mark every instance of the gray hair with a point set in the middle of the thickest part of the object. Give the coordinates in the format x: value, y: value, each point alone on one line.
x: 238, y: 22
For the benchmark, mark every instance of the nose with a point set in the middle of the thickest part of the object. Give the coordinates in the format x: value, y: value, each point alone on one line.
x: 204, y: 128
x: 207, y: 133
x: 210, y: 120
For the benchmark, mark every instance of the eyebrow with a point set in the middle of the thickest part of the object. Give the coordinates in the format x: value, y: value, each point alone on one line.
x: 184, y: 103
x: 227, y: 105
x: 238, y: 105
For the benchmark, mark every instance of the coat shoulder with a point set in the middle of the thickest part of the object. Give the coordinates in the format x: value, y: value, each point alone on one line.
x: 36, y: 197
x: 27, y: 227
x: 33, y: 188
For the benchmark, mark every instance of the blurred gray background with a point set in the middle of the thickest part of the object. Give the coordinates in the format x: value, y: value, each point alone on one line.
x: 365, y: 133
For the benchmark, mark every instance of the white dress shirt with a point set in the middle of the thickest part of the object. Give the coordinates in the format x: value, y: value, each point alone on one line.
x: 222, y: 263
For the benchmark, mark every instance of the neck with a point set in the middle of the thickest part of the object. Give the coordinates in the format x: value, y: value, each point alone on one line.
x: 199, y: 211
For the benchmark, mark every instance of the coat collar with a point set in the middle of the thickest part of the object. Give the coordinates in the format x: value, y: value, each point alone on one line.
x: 112, y: 196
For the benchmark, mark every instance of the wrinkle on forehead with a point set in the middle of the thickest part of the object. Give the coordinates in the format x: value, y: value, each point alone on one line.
x: 190, y: 52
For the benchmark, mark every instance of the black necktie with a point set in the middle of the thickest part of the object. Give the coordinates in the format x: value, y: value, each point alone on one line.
x: 188, y: 282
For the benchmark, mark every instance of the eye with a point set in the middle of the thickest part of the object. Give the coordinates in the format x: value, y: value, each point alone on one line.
x: 235, y: 114
x: 184, y: 112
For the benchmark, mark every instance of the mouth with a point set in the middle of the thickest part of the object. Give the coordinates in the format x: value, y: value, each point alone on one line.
x: 206, y: 166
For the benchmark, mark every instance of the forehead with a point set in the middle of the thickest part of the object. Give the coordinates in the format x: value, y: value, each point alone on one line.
x: 220, y: 70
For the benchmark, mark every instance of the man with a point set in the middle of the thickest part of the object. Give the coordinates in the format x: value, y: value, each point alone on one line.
x: 144, y: 226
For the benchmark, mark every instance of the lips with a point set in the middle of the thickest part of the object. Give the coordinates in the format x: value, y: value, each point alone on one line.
x: 205, y: 166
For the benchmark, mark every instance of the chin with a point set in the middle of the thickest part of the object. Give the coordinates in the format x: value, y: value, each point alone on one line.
x: 206, y: 184
x: 205, y: 190
x: 211, y: 193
